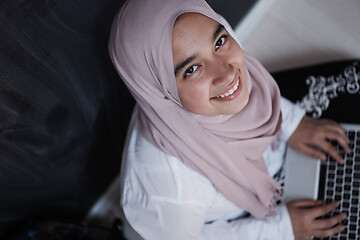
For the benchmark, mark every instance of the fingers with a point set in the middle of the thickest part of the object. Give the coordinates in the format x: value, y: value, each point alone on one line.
x: 338, y: 134
x: 336, y: 127
x: 324, y: 209
x: 306, y: 203
x: 329, y: 222
x: 318, y: 208
x: 328, y: 232
x: 328, y: 148
x: 315, y: 133
x: 332, y: 131
x: 305, y: 217
x: 312, y: 152
x: 328, y: 226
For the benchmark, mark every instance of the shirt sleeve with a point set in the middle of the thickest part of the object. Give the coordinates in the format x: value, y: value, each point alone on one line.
x: 291, y: 117
x: 271, y: 228
x: 164, y: 199
x: 165, y: 219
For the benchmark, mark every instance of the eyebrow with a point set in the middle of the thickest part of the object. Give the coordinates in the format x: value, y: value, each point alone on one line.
x: 181, y: 65
x: 184, y: 63
x: 217, y: 32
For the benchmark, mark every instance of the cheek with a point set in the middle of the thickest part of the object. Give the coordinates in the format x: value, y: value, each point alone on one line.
x: 194, y: 94
x: 237, y: 53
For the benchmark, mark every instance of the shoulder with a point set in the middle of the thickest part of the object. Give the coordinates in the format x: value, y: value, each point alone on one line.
x: 148, y: 172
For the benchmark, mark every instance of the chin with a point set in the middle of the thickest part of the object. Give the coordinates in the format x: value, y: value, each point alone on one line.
x: 241, y: 106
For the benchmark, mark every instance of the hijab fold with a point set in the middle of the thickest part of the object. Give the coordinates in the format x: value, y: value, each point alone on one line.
x: 227, y: 149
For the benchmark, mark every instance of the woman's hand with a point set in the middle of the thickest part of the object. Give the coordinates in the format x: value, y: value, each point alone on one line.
x: 311, y: 136
x: 304, y: 216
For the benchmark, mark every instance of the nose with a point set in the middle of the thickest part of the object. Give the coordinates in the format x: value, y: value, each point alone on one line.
x: 222, y: 71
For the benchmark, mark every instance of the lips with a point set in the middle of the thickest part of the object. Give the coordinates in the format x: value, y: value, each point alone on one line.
x: 231, y: 91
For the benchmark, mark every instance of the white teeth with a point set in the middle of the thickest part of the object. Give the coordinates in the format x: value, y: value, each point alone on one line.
x: 231, y: 91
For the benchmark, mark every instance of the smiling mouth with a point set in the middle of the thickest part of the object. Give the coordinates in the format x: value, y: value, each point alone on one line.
x: 231, y: 91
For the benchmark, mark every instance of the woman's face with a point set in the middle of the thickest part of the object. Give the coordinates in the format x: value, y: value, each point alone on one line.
x: 209, y: 67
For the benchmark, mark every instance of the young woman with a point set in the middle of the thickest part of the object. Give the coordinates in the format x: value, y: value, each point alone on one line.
x: 209, y: 131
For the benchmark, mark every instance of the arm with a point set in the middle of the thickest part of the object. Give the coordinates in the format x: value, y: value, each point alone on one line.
x: 300, y: 131
x: 164, y: 199
x: 164, y: 219
x: 291, y: 117
x: 272, y: 228
x: 312, y: 135
x: 308, y: 135
x: 307, y: 222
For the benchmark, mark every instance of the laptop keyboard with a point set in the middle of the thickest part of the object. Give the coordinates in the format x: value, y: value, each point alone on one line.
x: 341, y: 182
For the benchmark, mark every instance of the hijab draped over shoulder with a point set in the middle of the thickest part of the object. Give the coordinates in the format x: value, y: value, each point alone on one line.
x: 227, y: 149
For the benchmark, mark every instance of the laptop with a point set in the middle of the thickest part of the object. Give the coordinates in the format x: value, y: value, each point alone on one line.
x: 306, y: 177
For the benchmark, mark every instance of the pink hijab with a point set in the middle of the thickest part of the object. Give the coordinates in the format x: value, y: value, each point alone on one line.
x: 227, y: 149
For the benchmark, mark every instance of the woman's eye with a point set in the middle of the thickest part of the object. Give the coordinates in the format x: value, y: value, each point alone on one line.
x: 220, y: 42
x: 190, y: 70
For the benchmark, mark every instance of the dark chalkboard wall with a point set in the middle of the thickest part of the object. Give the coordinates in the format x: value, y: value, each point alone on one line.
x: 233, y: 10
x: 63, y: 109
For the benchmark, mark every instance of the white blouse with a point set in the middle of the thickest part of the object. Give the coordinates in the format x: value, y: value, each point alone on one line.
x: 164, y: 199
